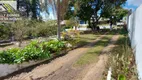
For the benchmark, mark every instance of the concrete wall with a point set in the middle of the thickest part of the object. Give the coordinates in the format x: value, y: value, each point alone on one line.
x: 6, y: 69
x: 135, y: 35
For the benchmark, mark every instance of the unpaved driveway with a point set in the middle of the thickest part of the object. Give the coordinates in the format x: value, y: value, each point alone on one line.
x: 95, y: 71
x: 89, y: 72
x: 58, y: 69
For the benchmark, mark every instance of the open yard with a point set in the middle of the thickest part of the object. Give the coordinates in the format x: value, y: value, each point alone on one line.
x: 70, y: 40
x: 78, y: 64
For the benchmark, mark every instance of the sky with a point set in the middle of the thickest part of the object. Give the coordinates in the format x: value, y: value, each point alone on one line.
x: 132, y: 4
x: 49, y: 16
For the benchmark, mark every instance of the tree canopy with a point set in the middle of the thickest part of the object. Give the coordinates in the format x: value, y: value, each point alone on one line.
x: 95, y: 9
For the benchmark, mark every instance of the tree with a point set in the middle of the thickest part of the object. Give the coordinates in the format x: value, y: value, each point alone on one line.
x: 34, y: 6
x: 34, y: 9
x: 120, y: 13
x: 82, y: 14
x: 87, y: 9
x: 84, y: 9
x: 20, y: 29
x: 60, y: 10
x: 58, y: 20
x: 64, y: 7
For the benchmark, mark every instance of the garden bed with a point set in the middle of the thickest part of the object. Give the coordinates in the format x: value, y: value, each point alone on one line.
x: 36, y: 52
x: 20, y: 60
x: 9, y: 69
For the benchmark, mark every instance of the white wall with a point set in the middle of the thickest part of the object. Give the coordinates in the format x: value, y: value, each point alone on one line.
x: 135, y: 35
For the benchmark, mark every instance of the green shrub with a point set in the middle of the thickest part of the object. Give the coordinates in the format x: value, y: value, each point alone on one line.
x: 28, y: 28
x: 17, y: 55
x: 4, y: 32
x: 46, y: 28
x: 56, y: 46
x: 9, y: 56
x: 34, y: 51
x: 20, y: 29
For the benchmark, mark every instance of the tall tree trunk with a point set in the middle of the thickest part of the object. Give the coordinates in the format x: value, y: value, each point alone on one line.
x: 18, y: 5
x: 34, y: 2
x: 28, y: 8
x: 20, y: 43
x: 110, y: 24
x: 89, y: 23
x: 58, y: 20
x: 94, y: 25
x: 20, y: 40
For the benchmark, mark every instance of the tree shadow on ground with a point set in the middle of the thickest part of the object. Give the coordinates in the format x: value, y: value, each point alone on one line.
x: 109, y: 32
x: 102, y: 42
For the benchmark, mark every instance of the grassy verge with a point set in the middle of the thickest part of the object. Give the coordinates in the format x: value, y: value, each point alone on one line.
x: 92, y: 55
x: 122, y: 61
x: 83, y: 39
x: 87, y: 38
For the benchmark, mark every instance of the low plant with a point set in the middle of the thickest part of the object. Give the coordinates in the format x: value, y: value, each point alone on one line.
x: 34, y: 51
x: 69, y: 35
x: 122, y: 61
x: 9, y: 56
x: 66, y: 36
x: 72, y: 37
x: 56, y: 46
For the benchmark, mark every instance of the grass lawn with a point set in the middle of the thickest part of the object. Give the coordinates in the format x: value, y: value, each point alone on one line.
x: 88, y: 37
x: 84, y: 39
x: 103, y: 24
x: 92, y: 55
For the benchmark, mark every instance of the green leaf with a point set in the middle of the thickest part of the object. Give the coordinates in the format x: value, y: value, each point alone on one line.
x: 121, y: 77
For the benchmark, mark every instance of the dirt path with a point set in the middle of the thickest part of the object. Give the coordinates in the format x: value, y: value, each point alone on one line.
x: 95, y: 71
x: 90, y: 72
x: 50, y: 70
